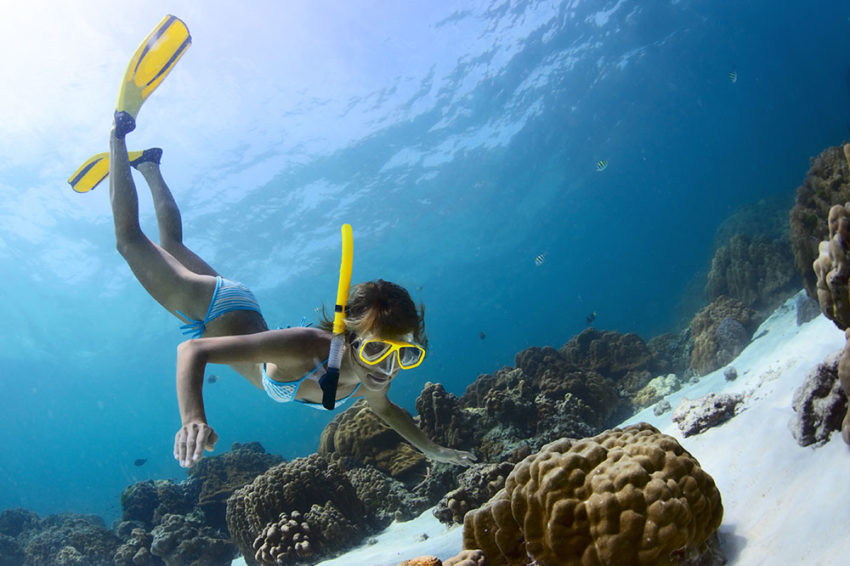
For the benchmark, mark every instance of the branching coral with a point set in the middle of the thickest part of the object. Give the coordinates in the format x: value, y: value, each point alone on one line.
x: 627, y: 496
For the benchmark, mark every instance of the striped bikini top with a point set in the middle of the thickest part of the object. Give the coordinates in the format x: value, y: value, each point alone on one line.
x: 285, y: 392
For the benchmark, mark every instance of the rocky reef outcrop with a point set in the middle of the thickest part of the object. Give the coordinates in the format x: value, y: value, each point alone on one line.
x: 826, y: 184
x: 820, y: 404
x: 721, y: 331
x: 756, y: 270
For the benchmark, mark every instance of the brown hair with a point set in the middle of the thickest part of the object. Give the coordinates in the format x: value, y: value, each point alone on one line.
x: 382, y: 308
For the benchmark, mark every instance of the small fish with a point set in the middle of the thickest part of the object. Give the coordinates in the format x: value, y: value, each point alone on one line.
x: 211, y: 378
x: 140, y: 462
x: 733, y: 77
x: 590, y: 318
x: 539, y: 259
x: 601, y: 165
x: 482, y: 335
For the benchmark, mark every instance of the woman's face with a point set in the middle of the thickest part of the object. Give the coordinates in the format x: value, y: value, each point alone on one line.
x: 374, y: 377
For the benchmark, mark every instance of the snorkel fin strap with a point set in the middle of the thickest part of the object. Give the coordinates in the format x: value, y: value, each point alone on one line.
x: 330, y: 380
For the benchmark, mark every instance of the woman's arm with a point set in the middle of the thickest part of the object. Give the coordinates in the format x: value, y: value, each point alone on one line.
x: 195, y: 435
x: 402, y: 423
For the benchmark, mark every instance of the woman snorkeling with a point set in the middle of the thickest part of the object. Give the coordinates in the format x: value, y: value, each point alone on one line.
x: 384, y: 330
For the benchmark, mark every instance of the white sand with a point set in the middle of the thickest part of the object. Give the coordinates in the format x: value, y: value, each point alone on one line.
x: 783, y: 504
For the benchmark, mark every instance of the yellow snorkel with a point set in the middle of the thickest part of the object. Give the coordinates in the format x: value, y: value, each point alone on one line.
x: 329, y: 381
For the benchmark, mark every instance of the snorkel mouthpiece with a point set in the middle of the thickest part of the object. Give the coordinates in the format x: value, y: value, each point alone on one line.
x: 330, y: 380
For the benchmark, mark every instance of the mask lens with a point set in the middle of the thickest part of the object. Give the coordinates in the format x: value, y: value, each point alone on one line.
x: 372, y: 351
x: 408, y: 356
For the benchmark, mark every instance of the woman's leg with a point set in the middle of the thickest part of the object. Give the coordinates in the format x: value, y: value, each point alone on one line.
x: 167, y: 280
x: 169, y: 221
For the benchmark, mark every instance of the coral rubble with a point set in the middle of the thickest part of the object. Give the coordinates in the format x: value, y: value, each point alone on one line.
x: 694, y: 416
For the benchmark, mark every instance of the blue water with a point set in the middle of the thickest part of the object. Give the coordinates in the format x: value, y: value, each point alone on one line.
x: 460, y: 141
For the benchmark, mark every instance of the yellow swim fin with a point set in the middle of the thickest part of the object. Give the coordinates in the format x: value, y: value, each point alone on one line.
x: 151, y: 63
x: 91, y: 173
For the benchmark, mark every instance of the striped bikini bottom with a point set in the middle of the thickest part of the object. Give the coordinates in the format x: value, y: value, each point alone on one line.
x: 228, y: 296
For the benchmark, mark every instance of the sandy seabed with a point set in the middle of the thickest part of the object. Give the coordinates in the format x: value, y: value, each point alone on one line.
x: 783, y: 504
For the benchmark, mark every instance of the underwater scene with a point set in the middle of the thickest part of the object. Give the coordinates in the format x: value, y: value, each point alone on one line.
x: 583, y: 239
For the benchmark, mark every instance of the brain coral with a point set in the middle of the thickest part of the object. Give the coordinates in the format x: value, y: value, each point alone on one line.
x: 626, y: 496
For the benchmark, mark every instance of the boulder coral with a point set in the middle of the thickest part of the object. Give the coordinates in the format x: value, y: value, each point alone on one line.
x: 219, y: 476
x: 360, y: 434
x: 441, y: 417
x: 315, y: 490
x: 627, y: 496
x: 184, y: 540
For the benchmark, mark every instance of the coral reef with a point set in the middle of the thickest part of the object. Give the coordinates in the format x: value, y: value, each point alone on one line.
x: 11, y: 552
x: 361, y: 435
x: 136, y: 551
x: 422, y: 561
x: 546, y: 396
x: 844, y: 380
x: 832, y: 269
x: 656, y: 390
x: 476, y: 485
x: 721, y: 331
x: 819, y: 404
x: 148, y: 501
x: 314, y: 487
x: 627, y: 496
x: 219, y: 476
x: 758, y: 271
x: 465, y: 558
x: 827, y: 183
x: 184, y: 540
x: 385, y: 498
x: 442, y: 418
x: 671, y: 353
x: 71, y: 539
x: 694, y: 416
x: 609, y: 353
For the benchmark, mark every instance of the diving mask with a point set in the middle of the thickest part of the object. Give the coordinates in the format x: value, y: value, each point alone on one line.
x: 379, y: 352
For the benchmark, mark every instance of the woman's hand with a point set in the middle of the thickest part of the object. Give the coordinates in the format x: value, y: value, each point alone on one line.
x: 191, y: 441
x: 451, y: 456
